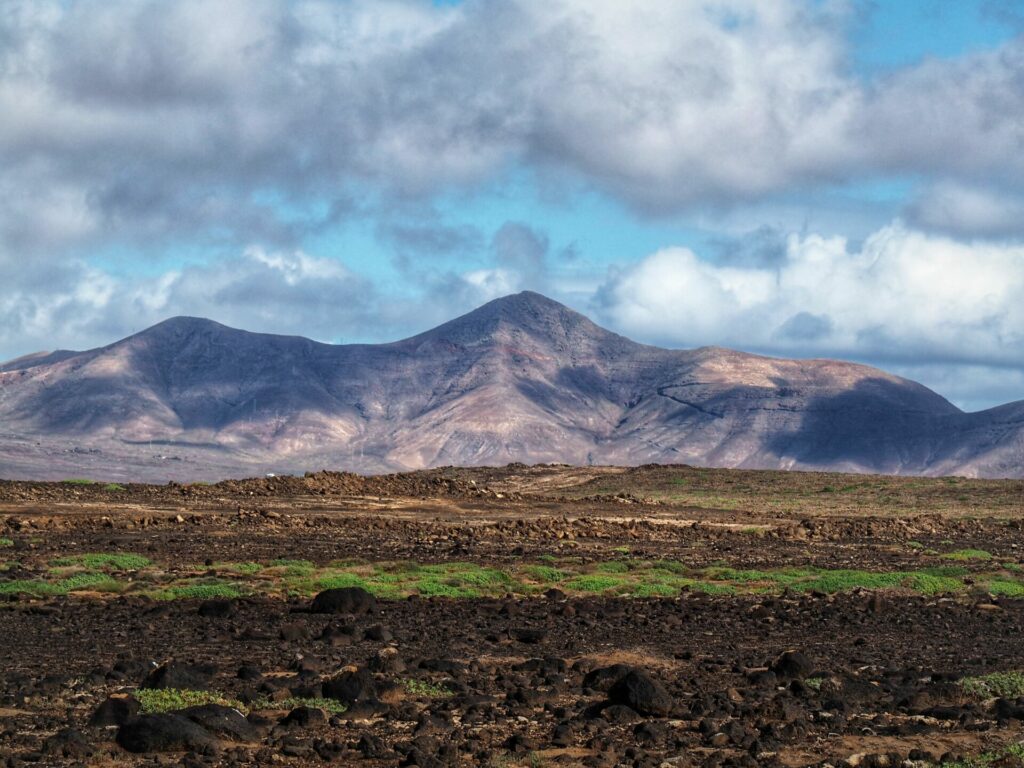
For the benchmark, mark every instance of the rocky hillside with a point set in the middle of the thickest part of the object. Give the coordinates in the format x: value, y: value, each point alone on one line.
x: 522, y: 378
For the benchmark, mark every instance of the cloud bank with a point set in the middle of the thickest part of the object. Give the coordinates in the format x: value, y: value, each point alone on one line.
x: 241, y: 128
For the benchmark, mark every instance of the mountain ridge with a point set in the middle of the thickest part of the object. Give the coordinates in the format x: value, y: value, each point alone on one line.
x: 521, y: 378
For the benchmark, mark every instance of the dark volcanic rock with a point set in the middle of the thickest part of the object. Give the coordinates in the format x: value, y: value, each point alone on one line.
x: 304, y: 717
x: 351, y: 687
x: 115, y: 710
x: 223, y: 721
x: 217, y: 608
x: 639, y: 691
x: 603, y: 678
x: 181, y: 676
x: 792, y: 665
x: 164, y: 733
x: 68, y: 743
x: 355, y: 600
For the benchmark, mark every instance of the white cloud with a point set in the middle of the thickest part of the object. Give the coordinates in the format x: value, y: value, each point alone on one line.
x: 903, y: 296
x: 258, y: 290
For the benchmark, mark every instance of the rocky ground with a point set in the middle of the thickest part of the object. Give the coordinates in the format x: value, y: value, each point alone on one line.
x: 515, y: 617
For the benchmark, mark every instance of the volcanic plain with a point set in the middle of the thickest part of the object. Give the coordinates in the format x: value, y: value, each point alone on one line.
x: 517, y: 616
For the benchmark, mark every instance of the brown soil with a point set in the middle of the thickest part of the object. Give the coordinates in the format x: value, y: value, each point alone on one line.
x: 882, y: 666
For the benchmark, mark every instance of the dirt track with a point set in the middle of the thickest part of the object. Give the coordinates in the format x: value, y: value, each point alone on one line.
x: 509, y: 680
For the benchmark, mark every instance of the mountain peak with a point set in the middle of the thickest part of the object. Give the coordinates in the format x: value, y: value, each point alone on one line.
x: 524, y: 314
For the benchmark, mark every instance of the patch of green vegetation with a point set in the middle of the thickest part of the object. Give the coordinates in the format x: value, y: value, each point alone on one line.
x: 330, y: 706
x: 1015, y: 567
x: 989, y: 759
x: 814, y: 683
x: 155, y: 701
x: 1005, y: 588
x: 246, y: 569
x: 1008, y: 685
x: 5, y: 542
x: 545, y: 574
x: 928, y: 584
x: 612, y: 566
x: 114, y: 487
x: 714, y: 589
x: 915, y: 545
x: 655, y: 589
x: 293, y: 567
x: 830, y: 582
x: 594, y: 583
x: 31, y: 587
x: 427, y: 689
x: 948, y: 571
x: 96, y: 582
x: 621, y: 550
x: 78, y: 481
x: 200, y: 591
x: 436, y: 588
x: 968, y: 554
x: 548, y: 558
x: 339, y: 581
x: 115, y: 561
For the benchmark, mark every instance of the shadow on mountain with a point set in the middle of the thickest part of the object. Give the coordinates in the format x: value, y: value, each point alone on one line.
x: 877, y: 424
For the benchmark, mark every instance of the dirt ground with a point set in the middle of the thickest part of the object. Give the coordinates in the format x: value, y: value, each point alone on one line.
x: 689, y: 617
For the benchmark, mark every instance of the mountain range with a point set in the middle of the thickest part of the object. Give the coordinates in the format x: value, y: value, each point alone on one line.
x: 522, y: 378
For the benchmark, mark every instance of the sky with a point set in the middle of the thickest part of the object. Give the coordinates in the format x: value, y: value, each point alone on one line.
x: 800, y: 178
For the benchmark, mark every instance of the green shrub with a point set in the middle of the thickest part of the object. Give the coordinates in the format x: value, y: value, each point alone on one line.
x: 98, y: 582
x: 32, y: 587
x: 202, y: 591
x: 928, y: 584
x: 427, y: 689
x: 155, y: 701
x: 340, y: 580
x: 968, y: 554
x: 594, y: 583
x: 613, y: 566
x: 246, y: 569
x: 293, y: 567
x: 655, y: 589
x: 1008, y: 685
x: 545, y: 573
x: 114, y: 487
x: 830, y: 582
x: 116, y: 561
x: 1005, y: 588
x: 5, y: 542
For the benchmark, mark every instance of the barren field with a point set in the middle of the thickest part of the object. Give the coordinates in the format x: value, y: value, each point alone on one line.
x: 518, y: 616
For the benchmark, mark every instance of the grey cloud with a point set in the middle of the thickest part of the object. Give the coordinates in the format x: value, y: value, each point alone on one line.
x: 519, y: 247
x: 763, y: 247
x: 805, y: 326
x: 669, y: 105
x: 968, y: 211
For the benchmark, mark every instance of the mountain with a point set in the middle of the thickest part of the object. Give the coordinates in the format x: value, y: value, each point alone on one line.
x: 522, y: 378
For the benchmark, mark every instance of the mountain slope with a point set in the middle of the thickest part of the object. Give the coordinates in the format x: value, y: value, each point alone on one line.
x: 522, y: 378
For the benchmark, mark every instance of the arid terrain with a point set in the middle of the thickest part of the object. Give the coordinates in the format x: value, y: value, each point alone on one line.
x: 515, y: 616
x: 519, y: 379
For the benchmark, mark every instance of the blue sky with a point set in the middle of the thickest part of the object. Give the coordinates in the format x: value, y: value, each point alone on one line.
x: 794, y: 177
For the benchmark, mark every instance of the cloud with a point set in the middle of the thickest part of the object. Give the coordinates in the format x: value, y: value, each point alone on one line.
x: 904, y: 296
x: 968, y: 211
x: 147, y: 114
x: 257, y: 289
